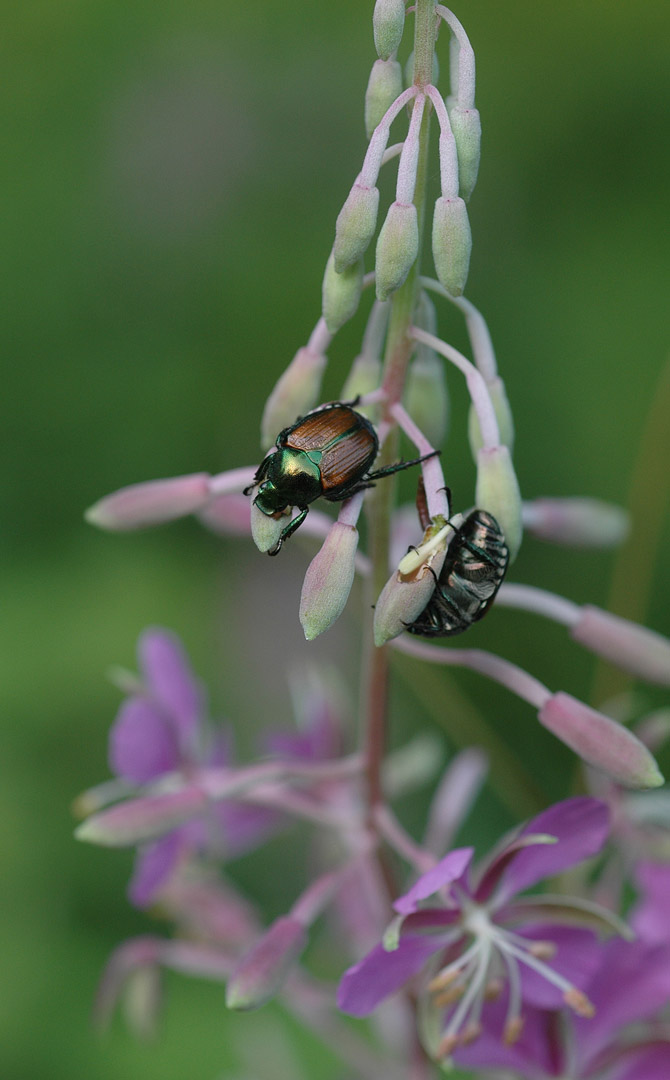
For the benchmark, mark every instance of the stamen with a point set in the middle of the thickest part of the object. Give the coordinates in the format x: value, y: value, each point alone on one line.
x: 474, y: 992
x: 579, y: 1003
x: 513, y: 1029
x: 453, y: 970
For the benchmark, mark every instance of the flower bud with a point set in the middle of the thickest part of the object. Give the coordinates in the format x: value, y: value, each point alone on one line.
x: 600, y: 742
x: 295, y: 392
x: 410, y: 587
x: 504, y: 417
x: 384, y: 86
x: 632, y: 647
x: 261, y: 973
x: 266, y: 530
x: 466, y: 127
x: 227, y: 515
x: 150, y: 503
x: 426, y: 396
x: 388, y: 22
x: 328, y: 580
x: 498, y: 492
x: 578, y: 522
x: 365, y: 375
x: 137, y: 820
x: 341, y: 293
x: 397, y: 248
x: 452, y: 244
x: 355, y: 226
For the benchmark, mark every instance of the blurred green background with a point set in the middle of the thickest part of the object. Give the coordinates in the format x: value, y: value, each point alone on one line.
x: 171, y: 178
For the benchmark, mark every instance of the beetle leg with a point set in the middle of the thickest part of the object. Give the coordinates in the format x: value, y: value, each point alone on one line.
x: 399, y: 465
x: 289, y: 530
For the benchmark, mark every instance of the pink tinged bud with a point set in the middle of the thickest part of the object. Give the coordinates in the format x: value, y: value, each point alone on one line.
x: 294, y: 394
x: 600, y: 741
x: 341, y: 293
x: 262, y: 972
x: 578, y: 522
x: 328, y: 580
x: 384, y: 86
x: 388, y: 22
x: 138, y: 820
x: 227, y: 515
x: 501, y: 407
x: 466, y: 127
x: 427, y: 398
x: 150, y: 503
x: 355, y: 227
x: 265, y: 530
x: 142, y: 1000
x: 632, y: 647
x: 498, y: 492
x: 406, y: 593
x: 397, y: 248
x: 452, y: 244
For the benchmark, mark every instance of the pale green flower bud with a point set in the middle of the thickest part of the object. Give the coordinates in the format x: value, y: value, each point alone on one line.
x: 397, y: 248
x: 426, y: 397
x: 388, y: 23
x: 466, y: 126
x: 262, y: 971
x: 384, y: 86
x: 328, y: 580
x: 411, y: 586
x: 504, y: 417
x: 295, y: 393
x: 355, y: 226
x: 341, y: 293
x: 577, y: 522
x: 265, y: 530
x: 498, y: 492
x: 364, y: 377
x: 452, y: 244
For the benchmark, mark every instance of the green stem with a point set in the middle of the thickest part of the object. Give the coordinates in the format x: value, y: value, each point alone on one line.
x: 398, y: 353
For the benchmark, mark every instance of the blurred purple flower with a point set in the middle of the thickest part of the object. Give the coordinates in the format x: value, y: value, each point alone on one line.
x: 162, y: 728
x: 630, y: 986
x: 468, y: 936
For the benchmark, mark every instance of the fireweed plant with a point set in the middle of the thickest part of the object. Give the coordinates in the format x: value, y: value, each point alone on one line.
x: 458, y: 957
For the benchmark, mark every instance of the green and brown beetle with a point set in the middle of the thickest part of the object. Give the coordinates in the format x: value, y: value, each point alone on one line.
x: 326, y: 454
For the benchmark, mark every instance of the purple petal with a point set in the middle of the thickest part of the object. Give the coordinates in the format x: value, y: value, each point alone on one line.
x: 380, y: 973
x: 650, y: 918
x: 449, y: 869
x: 633, y: 983
x: 154, y: 866
x: 169, y: 678
x: 535, y: 1054
x: 578, y: 954
x: 142, y: 744
x: 646, y: 1063
x: 580, y: 826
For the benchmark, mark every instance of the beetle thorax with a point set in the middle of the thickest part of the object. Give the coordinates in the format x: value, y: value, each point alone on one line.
x: 291, y: 478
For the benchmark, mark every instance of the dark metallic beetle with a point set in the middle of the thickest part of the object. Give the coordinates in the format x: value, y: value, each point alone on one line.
x: 326, y: 453
x: 473, y: 570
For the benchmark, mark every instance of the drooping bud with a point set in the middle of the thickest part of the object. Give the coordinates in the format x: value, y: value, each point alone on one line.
x: 426, y: 397
x: 150, y: 503
x: 397, y: 248
x: 384, y: 86
x: 498, y: 492
x: 632, y: 647
x: 452, y: 244
x: 137, y: 820
x: 600, y: 741
x: 577, y: 522
x: 261, y: 973
x: 227, y: 515
x: 355, y: 226
x: 328, y: 580
x: 411, y: 586
x: 364, y: 376
x: 266, y: 530
x: 388, y: 22
x: 504, y: 417
x: 466, y: 126
x: 295, y: 393
x: 341, y: 293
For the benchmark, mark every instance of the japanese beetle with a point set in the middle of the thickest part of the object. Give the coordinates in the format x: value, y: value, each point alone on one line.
x: 472, y: 573
x: 326, y: 453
